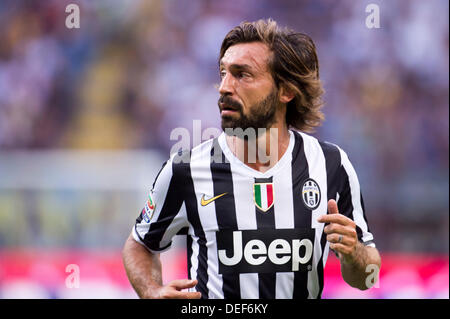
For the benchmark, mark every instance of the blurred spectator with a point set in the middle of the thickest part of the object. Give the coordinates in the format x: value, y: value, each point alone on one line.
x: 135, y: 70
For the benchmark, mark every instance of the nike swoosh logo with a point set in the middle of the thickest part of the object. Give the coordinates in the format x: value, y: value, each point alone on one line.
x: 205, y: 202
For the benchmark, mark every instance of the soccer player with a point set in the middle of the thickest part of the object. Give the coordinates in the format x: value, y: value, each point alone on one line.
x: 263, y: 203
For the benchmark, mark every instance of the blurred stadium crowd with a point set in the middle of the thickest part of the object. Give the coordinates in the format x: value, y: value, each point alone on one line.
x: 135, y: 70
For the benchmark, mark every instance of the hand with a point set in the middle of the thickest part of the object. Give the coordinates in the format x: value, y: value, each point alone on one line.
x: 173, y: 290
x: 341, y: 232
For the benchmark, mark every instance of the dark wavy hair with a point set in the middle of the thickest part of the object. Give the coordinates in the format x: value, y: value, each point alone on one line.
x: 294, y: 64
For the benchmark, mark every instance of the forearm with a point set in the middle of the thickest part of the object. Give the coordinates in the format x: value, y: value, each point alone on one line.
x: 355, y: 270
x: 143, y: 268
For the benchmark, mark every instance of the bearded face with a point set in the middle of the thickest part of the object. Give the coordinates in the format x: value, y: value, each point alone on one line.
x: 259, y: 115
x: 249, y: 98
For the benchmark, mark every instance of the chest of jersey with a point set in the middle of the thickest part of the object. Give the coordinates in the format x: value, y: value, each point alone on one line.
x: 241, y: 202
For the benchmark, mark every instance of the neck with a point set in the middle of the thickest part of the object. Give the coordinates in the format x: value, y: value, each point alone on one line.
x: 263, y: 151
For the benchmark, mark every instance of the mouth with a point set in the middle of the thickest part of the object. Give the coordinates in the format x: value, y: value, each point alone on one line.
x: 226, y: 109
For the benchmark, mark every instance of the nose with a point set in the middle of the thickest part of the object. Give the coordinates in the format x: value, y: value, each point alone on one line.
x: 226, y: 85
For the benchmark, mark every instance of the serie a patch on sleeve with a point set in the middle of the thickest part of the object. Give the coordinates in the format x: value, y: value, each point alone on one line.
x: 149, y: 209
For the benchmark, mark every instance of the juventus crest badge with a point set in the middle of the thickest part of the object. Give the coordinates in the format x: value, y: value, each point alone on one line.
x: 311, y: 194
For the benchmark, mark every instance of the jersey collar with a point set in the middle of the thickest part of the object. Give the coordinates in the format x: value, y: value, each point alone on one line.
x: 247, y: 170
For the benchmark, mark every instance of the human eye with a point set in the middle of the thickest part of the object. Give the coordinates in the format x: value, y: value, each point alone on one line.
x: 243, y: 75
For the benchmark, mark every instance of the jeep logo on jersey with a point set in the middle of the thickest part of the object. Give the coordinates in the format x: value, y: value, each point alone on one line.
x: 311, y: 194
x: 263, y: 195
x: 265, y: 250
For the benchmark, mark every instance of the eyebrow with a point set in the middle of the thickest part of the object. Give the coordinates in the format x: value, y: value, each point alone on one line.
x: 236, y: 66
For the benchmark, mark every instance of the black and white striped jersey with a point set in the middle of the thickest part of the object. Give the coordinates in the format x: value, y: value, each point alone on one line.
x: 252, y: 234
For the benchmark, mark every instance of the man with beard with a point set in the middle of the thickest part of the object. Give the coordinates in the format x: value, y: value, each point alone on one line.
x: 261, y: 221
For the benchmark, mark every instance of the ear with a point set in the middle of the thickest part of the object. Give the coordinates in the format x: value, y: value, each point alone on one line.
x: 285, y: 94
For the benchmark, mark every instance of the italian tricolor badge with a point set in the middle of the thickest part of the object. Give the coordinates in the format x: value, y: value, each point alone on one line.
x: 263, y: 195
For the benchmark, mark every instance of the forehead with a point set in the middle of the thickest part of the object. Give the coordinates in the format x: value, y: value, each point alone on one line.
x: 254, y: 54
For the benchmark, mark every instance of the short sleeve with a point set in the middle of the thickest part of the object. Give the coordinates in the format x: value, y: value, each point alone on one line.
x: 350, y: 200
x: 163, y: 214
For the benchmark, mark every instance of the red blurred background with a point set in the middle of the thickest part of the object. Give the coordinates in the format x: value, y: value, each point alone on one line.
x: 43, y: 274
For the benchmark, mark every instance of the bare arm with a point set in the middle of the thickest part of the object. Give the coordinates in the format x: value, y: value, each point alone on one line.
x: 353, y: 255
x: 143, y: 269
x: 355, y: 268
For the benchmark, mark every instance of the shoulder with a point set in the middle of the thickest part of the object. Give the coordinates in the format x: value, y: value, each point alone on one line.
x: 331, y: 151
x: 197, y: 154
